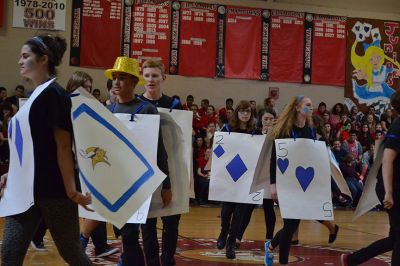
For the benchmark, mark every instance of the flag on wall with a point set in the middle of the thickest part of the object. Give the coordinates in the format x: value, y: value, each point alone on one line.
x: 1, y: 13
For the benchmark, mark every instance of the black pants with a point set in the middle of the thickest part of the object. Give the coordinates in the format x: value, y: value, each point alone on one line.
x: 235, y: 218
x: 132, y: 254
x: 40, y: 232
x: 246, y: 216
x: 284, y: 237
x: 270, y: 217
x: 390, y: 243
x: 99, y: 237
x: 169, y: 240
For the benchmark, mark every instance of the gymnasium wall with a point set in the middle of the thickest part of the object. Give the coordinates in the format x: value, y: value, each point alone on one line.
x: 217, y: 90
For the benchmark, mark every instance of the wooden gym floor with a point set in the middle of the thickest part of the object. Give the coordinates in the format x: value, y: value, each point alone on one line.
x: 199, y: 229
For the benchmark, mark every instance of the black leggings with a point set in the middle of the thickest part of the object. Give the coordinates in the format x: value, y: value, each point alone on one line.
x: 283, y: 239
x: 270, y: 217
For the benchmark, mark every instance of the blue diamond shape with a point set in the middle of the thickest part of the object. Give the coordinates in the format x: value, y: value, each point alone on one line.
x: 236, y: 168
x: 219, y: 151
x: 19, y: 141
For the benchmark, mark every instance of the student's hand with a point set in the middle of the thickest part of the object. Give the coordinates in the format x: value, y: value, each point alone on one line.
x: 274, y: 194
x: 3, y: 183
x: 388, y: 201
x: 166, y: 196
x: 82, y: 200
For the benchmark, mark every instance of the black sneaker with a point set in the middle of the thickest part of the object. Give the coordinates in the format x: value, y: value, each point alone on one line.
x: 221, y: 241
x: 107, y: 252
x: 38, y: 246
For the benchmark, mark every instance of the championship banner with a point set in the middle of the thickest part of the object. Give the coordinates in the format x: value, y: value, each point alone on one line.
x: 1, y: 13
x: 150, y: 31
x: 369, y: 199
x: 96, y: 33
x: 328, y: 50
x: 261, y: 178
x: 286, y: 46
x: 242, y: 56
x: 303, y: 182
x: 117, y: 169
x: 372, y: 65
x: 39, y: 14
x: 145, y: 129
x: 234, y: 161
x: 198, y: 33
x: 176, y: 127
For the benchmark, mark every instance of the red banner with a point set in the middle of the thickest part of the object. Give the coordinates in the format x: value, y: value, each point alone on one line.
x: 243, y: 43
x: 329, y: 50
x: 286, y: 46
x: 100, y: 33
x: 198, y: 31
x: 1, y: 13
x: 151, y: 31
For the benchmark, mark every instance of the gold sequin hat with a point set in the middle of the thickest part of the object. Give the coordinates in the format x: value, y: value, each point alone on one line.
x: 126, y: 65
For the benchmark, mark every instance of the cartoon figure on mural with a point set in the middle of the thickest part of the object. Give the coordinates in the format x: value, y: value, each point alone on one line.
x: 371, y: 70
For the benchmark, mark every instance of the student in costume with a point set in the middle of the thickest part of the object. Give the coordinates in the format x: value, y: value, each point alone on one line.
x: 50, y: 167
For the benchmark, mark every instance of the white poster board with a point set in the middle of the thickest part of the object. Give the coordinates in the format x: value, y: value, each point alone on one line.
x: 369, y: 199
x: 115, y: 167
x: 303, y: 179
x: 234, y: 160
x: 176, y: 128
x: 337, y: 174
x: 145, y: 129
x: 262, y: 176
x: 40, y: 14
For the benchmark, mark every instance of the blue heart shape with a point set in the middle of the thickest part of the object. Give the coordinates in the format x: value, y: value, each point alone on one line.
x: 366, y: 29
x: 283, y: 164
x: 304, y: 176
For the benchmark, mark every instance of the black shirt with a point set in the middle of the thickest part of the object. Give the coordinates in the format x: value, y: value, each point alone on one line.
x: 303, y: 133
x: 392, y: 141
x: 50, y: 110
x: 164, y: 102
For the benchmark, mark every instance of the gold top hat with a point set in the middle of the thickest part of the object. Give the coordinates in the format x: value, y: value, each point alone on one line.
x: 126, y: 65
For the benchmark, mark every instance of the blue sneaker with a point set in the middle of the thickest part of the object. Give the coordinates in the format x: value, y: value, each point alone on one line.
x: 269, y: 256
x: 84, y: 241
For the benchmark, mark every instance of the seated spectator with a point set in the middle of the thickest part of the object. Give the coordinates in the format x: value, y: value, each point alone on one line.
x: 211, y: 128
x: 378, y: 127
x: 209, y: 116
x: 386, y: 119
x: 353, y: 147
x: 111, y: 97
x: 355, y: 117
x: 96, y: 94
x: 351, y: 176
x: 336, y: 112
x: 8, y: 113
x: 203, y: 107
x: 372, y: 112
x: 229, y: 113
x: 330, y: 133
x: 270, y: 102
x: 326, y: 117
x: 199, y: 148
x: 19, y: 93
x: 222, y: 111
x: 343, y: 127
x: 197, y: 123
x: 370, y: 121
x: 188, y: 104
x: 367, y: 161
x: 3, y: 95
x: 203, y: 177
x: 364, y: 137
x: 321, y: 109
x: 338, y: 151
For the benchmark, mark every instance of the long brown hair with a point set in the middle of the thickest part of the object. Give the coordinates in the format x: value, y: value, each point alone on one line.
x: 287, y: 118
x: 77, y: 79
x: 235, y: 122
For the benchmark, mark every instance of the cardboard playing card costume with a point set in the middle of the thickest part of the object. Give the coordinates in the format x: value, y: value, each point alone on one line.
x: 118, y: 169
x: 303, y: 179
x: 234, y: 160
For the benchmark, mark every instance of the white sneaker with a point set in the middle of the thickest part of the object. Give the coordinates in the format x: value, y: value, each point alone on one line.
x: 39, y: 247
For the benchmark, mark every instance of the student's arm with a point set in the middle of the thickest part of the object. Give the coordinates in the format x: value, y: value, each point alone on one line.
x: 66, y: 164
x: 389, y: 156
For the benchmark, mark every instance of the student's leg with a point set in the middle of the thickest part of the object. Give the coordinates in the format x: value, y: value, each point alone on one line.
x: 61, y: 217
x: 17, y: 234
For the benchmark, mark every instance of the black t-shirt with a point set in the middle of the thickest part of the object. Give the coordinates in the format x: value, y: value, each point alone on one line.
x: 303, y: 133
x: 392, y: 141
x: 164, y: 102
x: 50, y: 110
